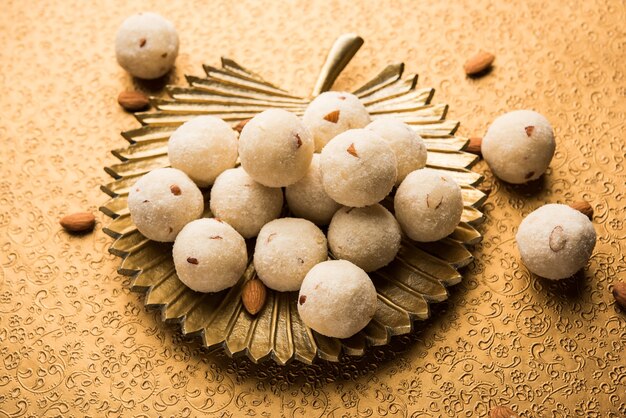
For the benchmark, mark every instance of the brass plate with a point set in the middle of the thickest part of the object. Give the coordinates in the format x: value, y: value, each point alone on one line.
x: 418, y: 276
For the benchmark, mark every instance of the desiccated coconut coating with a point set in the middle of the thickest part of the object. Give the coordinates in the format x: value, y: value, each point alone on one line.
x: 308, y: 199
x: 358, y: 168
x: 275, y: 148
x: 519, y: 146
x: 286, y: 249
x: 146, y: 45
x: 428, y: 205
x: 555, y: 241
x: 332, y: 113
x: 368, y: 237
x: 406, y: 144
x: 203, y: 148
x: 243, y: 203
x: 337, y: 299
x: 209, y: 255
x: 162, y: 202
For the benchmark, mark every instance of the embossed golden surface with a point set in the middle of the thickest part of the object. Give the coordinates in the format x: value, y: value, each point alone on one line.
x: 74, y: 341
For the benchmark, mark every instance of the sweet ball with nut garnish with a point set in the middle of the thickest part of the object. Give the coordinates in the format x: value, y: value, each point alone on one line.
x: 203, y: 148
x: 243, y: 203
x: 332, y: 113
x: 275, y: 148
x: 162, y: 202
x: 146, y: 45
x: 519, y: 146
x: 358, y: 168
x: 555, y: 241
x: 209, y: 255
x: 428, y: 205
x: 286, y: 249
x: 337, y: 299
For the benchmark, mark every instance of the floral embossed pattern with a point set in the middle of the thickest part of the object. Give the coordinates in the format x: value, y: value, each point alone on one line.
x: 75, y: 342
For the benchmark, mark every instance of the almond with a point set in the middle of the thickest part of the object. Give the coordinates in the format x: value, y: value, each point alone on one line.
x: 253, y: 296
x: 583, y: 207
x: 428, y: 202
x: 240, y: 125
x: 619, y: 293
x: 557, y: 239
x: 352, y: 151
x: 333, y: 116
x: 78, y: 222
x: 133, y: 100
x: 502, y: 412
x: 175, y: 190
x: 478, y: 63
x: 474, y: 145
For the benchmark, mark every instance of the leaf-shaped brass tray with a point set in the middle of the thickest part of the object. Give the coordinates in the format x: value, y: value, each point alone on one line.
x: 419, y: 275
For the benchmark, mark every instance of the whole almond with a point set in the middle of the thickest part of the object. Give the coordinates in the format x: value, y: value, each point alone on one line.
x: 619, y: 293
x: 474, y: 145
x: 133, y: 100
x: 478, y: 63
x: 583, y: 207
x: 78, y: 222
x: 502, y: 412
x: 253, y: 296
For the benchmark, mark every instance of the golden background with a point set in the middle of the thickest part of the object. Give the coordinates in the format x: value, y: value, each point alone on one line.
x: 75, y: 342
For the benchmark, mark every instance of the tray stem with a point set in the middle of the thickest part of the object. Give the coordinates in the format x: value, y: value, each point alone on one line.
x: 338, y: 57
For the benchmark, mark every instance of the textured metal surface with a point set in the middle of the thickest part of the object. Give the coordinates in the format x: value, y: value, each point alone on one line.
x: 405, y: 287
x: 74, y: 341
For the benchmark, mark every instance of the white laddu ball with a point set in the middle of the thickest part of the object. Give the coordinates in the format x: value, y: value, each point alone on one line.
x: 286, y: 249
x: 203, y: 148
x: 243, y: 203
x: 337, y: 299
x: 428, y: 205
x: 368, y: 237
x: 406, y: 144
x: 332, y: 113
x: 555, y: 241
x: 146, y: 45
x: 308, y: 199
x: 519, y: 146
x: 162, y: 202
x: 209, y: 255
x: 358, y: 168
x: 275, y: 148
